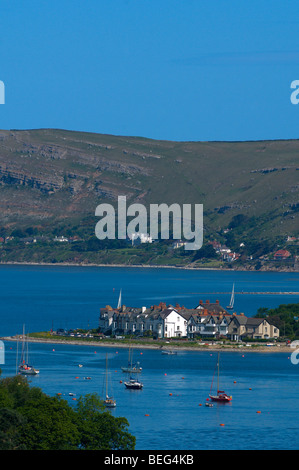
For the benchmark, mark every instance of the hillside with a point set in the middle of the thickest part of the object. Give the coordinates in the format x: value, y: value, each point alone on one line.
x: 52, y: 180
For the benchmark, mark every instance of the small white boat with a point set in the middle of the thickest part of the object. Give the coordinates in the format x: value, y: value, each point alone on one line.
x: 232, y: 299
x: 24, y: 367
x: 109, y: 401
x: 134, y: 384
x: 169, y: 353
x: 132, y: 368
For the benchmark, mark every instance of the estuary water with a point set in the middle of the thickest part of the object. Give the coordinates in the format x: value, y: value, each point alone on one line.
x: 169, y: 413
x: 45, y: 297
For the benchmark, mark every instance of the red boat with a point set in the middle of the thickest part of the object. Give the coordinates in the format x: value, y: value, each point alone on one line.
x: 221, y: 395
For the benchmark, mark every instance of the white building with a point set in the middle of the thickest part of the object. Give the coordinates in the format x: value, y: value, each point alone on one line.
x: 175, y: 325
x: 140, y: 238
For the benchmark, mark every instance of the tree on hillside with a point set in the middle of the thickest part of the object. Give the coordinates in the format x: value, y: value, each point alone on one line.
x: 32, y: 420
x: 285, y: 317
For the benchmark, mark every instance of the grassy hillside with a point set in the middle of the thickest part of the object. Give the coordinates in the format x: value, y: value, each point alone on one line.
x: 52, y: 180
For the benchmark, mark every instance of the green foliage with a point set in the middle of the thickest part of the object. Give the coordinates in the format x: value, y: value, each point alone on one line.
x: 285, y: 317
x: 206, y: 251
x: 99, y: 430
x: 32, y: 420
x: 238, y: 220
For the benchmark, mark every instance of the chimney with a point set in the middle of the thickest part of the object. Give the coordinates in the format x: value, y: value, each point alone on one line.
x: 200, y: 302
x: 217, y: 302
x: 143, y: 309
x: 207, y: 301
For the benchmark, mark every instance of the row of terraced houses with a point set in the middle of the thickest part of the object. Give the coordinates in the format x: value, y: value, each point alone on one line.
x: 207, y: 320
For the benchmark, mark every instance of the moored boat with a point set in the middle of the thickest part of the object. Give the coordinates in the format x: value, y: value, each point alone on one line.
x: 132, y: 368
x: 232, y: 299
x: 220, y: 396
x: 109, y: 401
x: 134, y: 384
x: 24, y: 367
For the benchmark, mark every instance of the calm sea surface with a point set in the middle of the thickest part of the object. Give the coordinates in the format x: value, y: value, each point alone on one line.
x: 169, y: 413
x: 43, y: 297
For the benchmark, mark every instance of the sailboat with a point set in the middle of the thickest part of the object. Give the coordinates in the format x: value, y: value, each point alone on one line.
x: 119, y: 300
x: 24, y: 366
x: 169, y: 352
x: 232, y: 299
x: 134, y: 384
x: 221, y: 395
x: 109, y: 402
x: 132, y: 367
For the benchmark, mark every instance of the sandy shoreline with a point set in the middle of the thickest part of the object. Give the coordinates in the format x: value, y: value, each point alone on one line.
x: 157, y: 346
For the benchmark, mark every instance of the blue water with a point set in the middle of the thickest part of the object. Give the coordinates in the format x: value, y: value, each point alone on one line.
x: 45, y: 297
x: 177, y: 421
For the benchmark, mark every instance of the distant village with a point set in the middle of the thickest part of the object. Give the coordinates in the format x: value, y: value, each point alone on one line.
x: 136, y: 239
x: 206, y: 320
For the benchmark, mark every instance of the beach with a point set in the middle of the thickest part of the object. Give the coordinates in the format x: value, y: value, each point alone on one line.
x: 157, y: 345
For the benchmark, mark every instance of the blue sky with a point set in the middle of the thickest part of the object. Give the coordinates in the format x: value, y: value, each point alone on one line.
x: 167, y: 69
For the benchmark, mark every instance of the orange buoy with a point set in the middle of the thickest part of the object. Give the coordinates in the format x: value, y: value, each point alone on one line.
x: 170, y: 394
x: 120, y: 381
x: 200, y: 404
x: 146, y: 415
x: 235, y: 381
x: 77, y: 377
x: 221, y: 424
x: 258, y: 411
x: 250, y: 389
